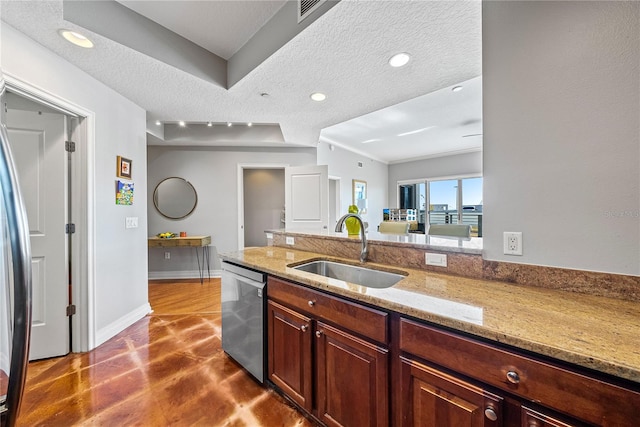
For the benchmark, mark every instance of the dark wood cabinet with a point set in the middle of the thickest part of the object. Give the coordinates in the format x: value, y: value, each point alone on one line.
x: 433, y: 398
x: 335, y: 374
x: 290, y: 353
x: 580, y: 399
x: 352, y: 381
x: 533, y: 418
x: 349, y: 364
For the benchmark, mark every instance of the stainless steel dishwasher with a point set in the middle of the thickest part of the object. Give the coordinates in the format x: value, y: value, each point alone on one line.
x: 243, y: 314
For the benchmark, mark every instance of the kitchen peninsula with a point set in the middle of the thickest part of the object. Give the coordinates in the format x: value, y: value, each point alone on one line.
x: 565, y: 355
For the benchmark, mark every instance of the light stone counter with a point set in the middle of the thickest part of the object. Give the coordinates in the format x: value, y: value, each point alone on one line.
x: 594, y: 332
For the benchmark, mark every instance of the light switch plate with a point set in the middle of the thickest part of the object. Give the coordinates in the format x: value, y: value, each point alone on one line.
x: 269, y: 236
x: 439, y: 260
x: 131, y: 222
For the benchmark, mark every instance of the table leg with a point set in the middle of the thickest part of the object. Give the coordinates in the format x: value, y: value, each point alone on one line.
x: 208, y: 254
x: 200, y: 267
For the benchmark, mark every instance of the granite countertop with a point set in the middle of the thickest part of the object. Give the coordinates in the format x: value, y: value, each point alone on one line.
x: 594, y: 332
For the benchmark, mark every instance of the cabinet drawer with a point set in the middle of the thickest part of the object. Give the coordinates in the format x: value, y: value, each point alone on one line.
x: 590, y: 399
x: 366, y: 321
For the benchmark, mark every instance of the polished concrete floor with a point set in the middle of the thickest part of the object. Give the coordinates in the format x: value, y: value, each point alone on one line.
x: 168, y: 369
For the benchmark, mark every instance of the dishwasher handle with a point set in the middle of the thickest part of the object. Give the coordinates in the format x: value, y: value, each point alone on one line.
x: 256, y: 276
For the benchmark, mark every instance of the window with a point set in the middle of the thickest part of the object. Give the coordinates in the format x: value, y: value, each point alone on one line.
x: 439, y: 202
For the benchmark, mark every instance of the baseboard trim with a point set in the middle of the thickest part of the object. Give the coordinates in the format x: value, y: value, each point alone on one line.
x: 113, y: 329
x: 182, y: 274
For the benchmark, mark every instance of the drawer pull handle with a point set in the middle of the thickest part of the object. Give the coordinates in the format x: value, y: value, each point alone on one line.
x: 311, y: 303
x: 318, y: 334
x: 513, y: 377
x: 303, y: 328
x: 490, y: 414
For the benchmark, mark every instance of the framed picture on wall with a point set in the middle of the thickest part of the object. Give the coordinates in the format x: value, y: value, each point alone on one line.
x: 123, y: 169
x: 124, y: 193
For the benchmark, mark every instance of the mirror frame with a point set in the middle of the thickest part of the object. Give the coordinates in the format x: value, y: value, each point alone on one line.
x: 155, y: 198
x: 355, y: 183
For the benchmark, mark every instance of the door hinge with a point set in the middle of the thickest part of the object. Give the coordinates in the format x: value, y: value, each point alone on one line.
x: 71, y: 310
x: 70, y: 146
x: 70, y: 228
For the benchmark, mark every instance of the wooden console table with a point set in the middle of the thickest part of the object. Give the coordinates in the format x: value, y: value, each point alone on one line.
x: 190, y: 241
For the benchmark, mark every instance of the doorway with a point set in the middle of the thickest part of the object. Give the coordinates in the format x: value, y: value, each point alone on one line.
x: 263, y: 191
x: 37, y: 136
x: 260, y: 203
x: 78, y: 258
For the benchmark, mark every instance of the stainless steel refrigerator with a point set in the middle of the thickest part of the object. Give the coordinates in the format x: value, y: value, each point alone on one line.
x: 15, y: 282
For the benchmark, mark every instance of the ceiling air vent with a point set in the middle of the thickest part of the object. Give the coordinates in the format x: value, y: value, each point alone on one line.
x: 306, y: 7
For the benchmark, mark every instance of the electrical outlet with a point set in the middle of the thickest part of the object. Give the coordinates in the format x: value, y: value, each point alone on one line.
x: 512, y: 242
x: 439, y: 260
x: 167, y: 255
x: 289, y: 240
x: 131, y: 222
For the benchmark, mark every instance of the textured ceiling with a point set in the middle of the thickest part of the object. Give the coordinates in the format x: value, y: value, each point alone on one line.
x: 343, y: 54
x: 221, y: 27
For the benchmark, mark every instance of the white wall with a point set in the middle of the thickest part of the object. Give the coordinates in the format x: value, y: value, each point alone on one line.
x: 436, y: 167
x: 120, y: 279
x: 344, y: 164
x: 213, y: 171
x: 561, y: 87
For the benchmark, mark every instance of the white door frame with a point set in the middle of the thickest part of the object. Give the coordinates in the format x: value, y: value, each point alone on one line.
x: 338, y: 200
x: 83, y: 326
x: 240, y: 192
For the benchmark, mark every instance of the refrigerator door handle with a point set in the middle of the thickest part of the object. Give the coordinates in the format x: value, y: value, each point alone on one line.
x: 18, y: 230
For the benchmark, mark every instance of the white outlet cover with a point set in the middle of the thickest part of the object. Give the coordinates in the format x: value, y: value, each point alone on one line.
x: 439, y: 260
x: 512, y: 241
x: 289, y: 240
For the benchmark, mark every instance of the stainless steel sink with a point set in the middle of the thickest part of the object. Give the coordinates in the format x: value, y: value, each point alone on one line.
x: 352, y: 273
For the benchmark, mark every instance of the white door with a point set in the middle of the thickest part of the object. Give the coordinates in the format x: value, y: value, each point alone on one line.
x: 38, y: 145
x: 306, y: 192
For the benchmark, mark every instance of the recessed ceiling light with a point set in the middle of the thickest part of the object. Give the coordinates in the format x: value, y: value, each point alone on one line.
x: 399, y: 59
x: 76, y: 38
x: 209, y: 124
x: 229, y: 124
x: 158, y: 122
x: 318, y: 96
x: 456, y: 88
x: 182, y: 123
x: 249, y: 124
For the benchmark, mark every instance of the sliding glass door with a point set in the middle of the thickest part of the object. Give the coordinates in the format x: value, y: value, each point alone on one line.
x: 446, y: 201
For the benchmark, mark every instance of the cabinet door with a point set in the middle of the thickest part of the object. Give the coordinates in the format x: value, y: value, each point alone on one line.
x: 432, y: 398
x: 289, y: 353
x: 352, y: 379
x: 531, y: 418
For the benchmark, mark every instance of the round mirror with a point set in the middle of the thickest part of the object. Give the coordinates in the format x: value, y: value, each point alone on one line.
x: 175, y: 198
